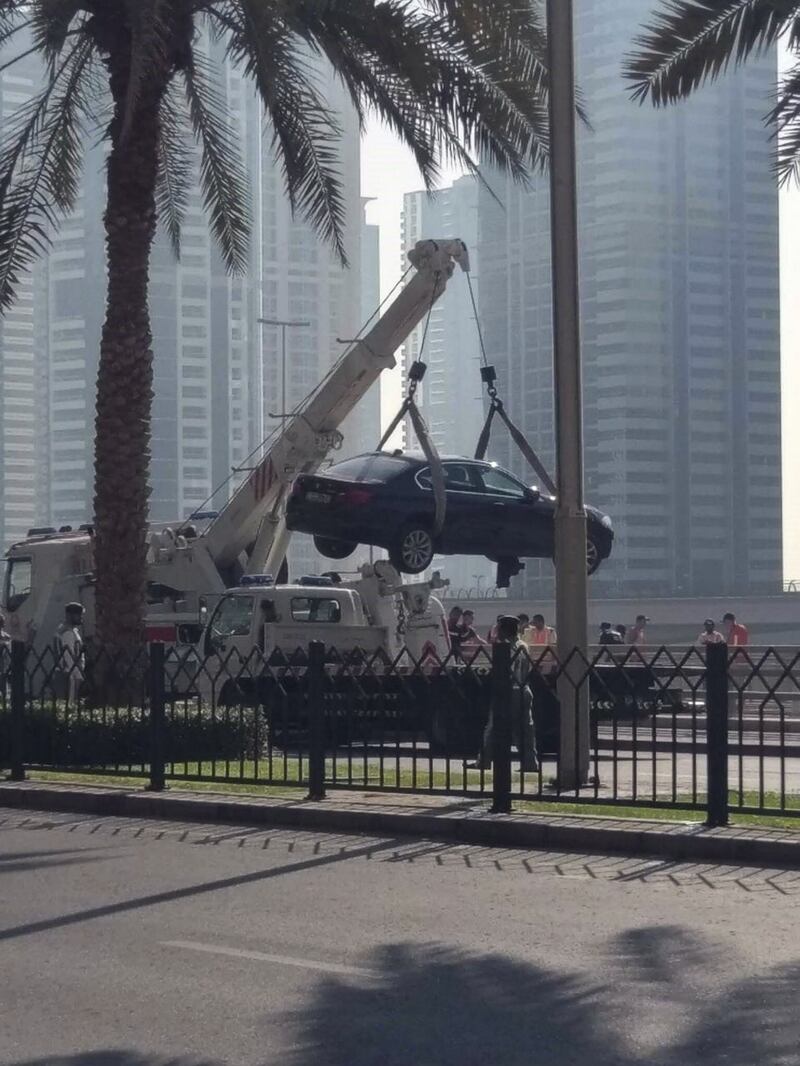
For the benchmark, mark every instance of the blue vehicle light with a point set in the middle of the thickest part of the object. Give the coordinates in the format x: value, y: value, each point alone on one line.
x: 316, y: 582
x: 256, y: 581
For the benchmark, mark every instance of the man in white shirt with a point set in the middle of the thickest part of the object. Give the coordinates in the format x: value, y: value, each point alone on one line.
x: 70, y: 658
x: 710, y: 634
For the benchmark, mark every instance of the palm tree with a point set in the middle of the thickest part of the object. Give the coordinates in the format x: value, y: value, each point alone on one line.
x: 455, y: 79
x: 689, y: 42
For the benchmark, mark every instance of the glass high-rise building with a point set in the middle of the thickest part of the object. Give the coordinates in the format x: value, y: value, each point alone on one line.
x: 680, y: 320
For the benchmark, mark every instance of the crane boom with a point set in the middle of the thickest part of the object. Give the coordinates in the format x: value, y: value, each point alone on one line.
x: 251, y: 520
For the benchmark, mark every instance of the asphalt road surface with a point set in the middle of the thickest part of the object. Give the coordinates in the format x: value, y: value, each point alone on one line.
x: 158, y: 944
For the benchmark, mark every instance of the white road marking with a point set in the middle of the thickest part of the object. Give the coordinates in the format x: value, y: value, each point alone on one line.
x: 261, y: 956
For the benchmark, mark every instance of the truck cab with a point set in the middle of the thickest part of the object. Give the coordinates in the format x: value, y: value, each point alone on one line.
x: 264, y: 617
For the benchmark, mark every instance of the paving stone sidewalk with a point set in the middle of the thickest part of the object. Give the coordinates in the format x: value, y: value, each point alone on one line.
x: 430, y: 817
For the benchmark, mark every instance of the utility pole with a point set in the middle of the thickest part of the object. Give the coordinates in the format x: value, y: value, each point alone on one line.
x: 570, y: 524
x: 284, y: 323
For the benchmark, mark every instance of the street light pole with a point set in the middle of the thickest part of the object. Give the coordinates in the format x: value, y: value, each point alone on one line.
x: 570, y: 523
x: 284, y: 323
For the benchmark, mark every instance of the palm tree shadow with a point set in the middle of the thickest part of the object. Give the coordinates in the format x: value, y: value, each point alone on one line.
x: 431, y: 1004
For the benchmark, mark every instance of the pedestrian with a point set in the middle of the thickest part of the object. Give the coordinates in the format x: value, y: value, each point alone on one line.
x: 470, y: 640
x: 523, y: 733
x: 622, y: 630
x: 70, y: 659
x: 608, y: 635
x: 710, y: 633
x: 492, y: 634
x: 454, y: 629
x: 524, y: 621
x: 539, y: 634
x: 736, y: 634
x: 638, y: 634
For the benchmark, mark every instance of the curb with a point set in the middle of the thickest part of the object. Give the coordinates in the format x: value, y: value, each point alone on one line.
x: 684, y: 842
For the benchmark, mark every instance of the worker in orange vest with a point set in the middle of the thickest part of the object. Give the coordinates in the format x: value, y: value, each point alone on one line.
x: 736, y: 634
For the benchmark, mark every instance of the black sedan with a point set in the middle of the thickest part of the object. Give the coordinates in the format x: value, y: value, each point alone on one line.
x: 386, y: 499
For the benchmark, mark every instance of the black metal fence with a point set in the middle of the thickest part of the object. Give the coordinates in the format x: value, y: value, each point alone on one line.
x: 714, y: 729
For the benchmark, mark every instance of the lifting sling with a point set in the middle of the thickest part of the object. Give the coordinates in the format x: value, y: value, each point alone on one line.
x: 489, y: 377
x: 409, y: 407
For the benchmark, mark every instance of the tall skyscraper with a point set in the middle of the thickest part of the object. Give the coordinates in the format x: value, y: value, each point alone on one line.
x: 680, y: 318
x: 450, y: 396
x: 22, y: 369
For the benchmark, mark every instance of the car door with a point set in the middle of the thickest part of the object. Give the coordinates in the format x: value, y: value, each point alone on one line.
x: 509, y: 514
x: 459, y: 535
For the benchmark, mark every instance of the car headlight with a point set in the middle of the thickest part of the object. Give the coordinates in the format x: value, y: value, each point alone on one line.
x: 606, y: 521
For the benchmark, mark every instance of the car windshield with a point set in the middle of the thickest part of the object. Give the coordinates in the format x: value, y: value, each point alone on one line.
x: 233, y: 616
x: 369, y: 468
x: 17, y: 583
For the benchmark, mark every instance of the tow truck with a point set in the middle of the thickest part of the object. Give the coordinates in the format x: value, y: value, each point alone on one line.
x: 193, y: 563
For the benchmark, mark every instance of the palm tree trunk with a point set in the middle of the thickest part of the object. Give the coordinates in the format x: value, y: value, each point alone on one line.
x: 125, y: 375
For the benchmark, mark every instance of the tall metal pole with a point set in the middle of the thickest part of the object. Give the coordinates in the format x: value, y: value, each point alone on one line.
x: 284, y: 323
x: 570, y: 529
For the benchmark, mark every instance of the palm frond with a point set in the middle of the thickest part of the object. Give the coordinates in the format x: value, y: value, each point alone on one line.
x: 175, y: 167
x: 689, y: 42
x: 786, y: 118
x: 40, y: 180
x: 50, y: 24
x: 306, y: 132
x: 222, y: 176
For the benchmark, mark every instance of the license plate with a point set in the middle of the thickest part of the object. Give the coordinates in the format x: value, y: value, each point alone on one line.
x: 318, y: 497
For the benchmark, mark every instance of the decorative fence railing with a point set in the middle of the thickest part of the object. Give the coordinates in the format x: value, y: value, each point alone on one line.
x: 714, y: 729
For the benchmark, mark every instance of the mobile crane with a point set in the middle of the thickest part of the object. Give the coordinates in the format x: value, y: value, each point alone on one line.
x: 199, y: 559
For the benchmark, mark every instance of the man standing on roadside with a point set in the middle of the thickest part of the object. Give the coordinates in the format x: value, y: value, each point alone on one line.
x: 70, y: 660
x: 638, y: 635
x: 538, y: 634
x: 522, y: 729
x: 736, y: 634
x: 710, y: 634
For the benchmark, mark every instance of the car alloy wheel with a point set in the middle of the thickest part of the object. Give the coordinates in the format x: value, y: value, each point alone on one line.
x: 593, y: 559
x: 415, y: 551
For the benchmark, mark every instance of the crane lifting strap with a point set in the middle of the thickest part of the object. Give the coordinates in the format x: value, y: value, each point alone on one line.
x: 420, y: 427
x: 496, y: 408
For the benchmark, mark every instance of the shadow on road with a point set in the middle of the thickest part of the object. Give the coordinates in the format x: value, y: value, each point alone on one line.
x: 437, y: 1005
x: 116, y: 1058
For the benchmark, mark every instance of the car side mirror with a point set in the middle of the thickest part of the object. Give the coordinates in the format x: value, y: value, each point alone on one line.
x: 533, y: 494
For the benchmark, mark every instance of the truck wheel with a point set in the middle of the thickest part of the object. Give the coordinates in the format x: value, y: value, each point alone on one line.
x: 413, y: 550
x: 334, y: 549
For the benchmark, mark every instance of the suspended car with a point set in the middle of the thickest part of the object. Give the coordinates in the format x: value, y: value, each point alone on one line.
x: 386, y: 499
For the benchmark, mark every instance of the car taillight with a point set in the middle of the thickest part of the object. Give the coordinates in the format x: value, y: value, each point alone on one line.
x: 357, y: 497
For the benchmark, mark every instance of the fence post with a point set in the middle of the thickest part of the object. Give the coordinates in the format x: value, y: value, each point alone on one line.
x: 157, y: 717
x: 315, y: 679
x: 19, y: 653
x: 717, y: 733
x: 502, y: 695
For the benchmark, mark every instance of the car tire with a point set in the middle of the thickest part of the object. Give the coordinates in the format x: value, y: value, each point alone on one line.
x: 593, y: 556
x: 413, y: 550
x: 334, y: 549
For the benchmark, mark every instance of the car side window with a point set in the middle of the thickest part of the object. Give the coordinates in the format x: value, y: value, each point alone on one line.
x: 458, y: 477
x: 499, y: 483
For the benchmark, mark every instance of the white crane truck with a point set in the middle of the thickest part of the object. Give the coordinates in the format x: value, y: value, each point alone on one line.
x: 194, y: 563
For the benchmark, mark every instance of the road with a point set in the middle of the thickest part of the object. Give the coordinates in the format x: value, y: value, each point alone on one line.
x: 131, y: 943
